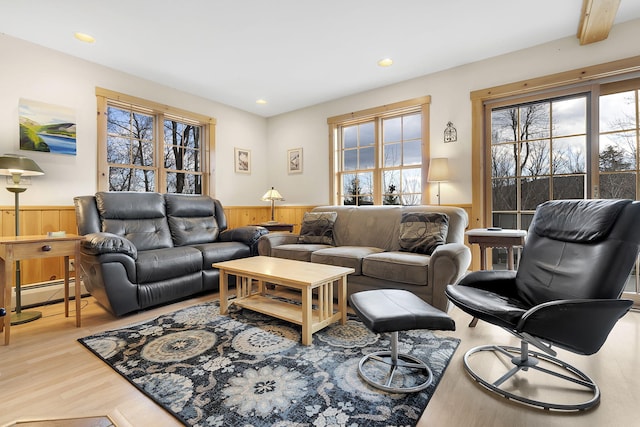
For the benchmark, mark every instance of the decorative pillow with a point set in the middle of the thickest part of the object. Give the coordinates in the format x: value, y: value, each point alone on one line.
x: 317, y: 227
x: 422, y: 232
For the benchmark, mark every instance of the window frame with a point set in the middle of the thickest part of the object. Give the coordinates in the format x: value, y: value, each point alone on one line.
x: 620, y: 69
x: 377, y: 114
x: 550, y: 98
x: 597, y: 79
x: 160, y: 112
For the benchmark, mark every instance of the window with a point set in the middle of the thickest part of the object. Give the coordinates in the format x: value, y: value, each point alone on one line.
x: 618, y: 144
x: 538, y: 153
x: 148, y: 147
x: 402, y: 160
x: 557, y: 137
x: 377, y: 155
x: 618, y: 162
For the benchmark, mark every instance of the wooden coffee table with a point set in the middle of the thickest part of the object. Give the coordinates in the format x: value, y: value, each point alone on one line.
x: 304, y: 276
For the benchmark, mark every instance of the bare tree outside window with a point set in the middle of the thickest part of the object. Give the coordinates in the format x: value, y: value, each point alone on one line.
x: 618, y: 145
x: 358, y: 189
x: 182, y: 156
x: 538, y: 153
x: 131, y: 149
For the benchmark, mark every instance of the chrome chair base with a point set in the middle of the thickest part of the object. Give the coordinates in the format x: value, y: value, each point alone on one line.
x: 523, y: 359
x: 395, y: 361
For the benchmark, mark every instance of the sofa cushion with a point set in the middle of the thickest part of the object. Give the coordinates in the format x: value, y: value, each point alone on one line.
x: 344, y: 256
x: 422, y: 232
x: 140, y: 217
x: 222, y: 251
x: 162, y: 264
x: 191, y: 219
x: 317, y: 227
x: 297, y: 251
x: 402, y: 267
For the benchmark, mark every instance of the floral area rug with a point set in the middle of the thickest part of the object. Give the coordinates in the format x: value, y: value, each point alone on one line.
x: 248, y: 369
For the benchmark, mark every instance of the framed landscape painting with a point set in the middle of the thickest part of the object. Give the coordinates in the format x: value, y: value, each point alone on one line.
x: 294, y: 160
x: 47, y: 128
x: 242, y: 160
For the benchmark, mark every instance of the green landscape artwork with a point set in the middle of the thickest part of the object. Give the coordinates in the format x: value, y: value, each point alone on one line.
x: 47, y: 128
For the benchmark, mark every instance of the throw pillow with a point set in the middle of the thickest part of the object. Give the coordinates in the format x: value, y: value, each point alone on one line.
x: 422, y: 232
x: 317, y: 227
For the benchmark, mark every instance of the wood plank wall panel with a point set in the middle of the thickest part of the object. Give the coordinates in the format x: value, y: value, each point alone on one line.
x: 38, y: 220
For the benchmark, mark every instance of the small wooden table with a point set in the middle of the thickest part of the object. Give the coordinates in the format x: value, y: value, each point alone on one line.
x: 13, y: 249
x: 304, y: 276
x: 504, y: 238
x: 276, y: 226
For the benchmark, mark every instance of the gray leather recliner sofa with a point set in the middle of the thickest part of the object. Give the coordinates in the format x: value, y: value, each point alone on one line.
x: 367, y: 239
x: 147, y: 249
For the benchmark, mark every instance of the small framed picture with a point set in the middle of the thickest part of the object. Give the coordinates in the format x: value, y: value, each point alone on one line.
x: 242, y: 160
x: 294, y: 160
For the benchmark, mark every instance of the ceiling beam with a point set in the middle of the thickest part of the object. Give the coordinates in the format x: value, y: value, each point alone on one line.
x: 596, y: 20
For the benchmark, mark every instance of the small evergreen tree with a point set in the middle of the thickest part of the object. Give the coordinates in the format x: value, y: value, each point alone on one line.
x: 390, y: 198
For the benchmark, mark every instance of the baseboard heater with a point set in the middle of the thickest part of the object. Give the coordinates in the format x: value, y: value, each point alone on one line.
x: 44, y: 293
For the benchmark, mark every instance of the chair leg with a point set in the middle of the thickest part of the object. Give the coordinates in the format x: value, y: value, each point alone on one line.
x: 523, y: 359
x: 395, y: 361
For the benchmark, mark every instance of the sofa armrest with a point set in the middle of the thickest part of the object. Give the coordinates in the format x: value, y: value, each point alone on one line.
x: 248, y: 235
x: 447, y: 264
x: 270, y: 241
x: 108, y: 243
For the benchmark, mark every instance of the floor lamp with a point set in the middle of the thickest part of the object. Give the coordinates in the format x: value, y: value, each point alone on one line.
x: 439, y: 172
x: 17, y: 167
x: 272, y: 195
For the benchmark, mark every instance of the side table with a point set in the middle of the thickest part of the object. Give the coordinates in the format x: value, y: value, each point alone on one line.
x: 14, y: 249
x: 503, y: 238
x: 276, y: 226
x: 495, y: 238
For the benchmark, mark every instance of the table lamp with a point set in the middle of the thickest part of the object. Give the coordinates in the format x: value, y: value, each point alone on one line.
x: 272, y: 195
x: 439, y: 172
x: 18, y: 166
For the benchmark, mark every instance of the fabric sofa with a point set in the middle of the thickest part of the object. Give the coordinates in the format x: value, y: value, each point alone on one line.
x: 370, y: 240
x: 146, y: 249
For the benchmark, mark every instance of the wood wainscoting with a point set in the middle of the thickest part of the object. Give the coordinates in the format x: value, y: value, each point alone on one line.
x: 38, y: 220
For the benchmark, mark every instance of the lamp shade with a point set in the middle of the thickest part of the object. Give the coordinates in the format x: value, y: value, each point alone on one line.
x: 272, y: 194
x: 439, y: 170
x: 16, y: 166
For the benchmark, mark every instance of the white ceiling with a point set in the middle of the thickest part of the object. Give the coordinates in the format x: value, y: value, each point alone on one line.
x: 292, y: 53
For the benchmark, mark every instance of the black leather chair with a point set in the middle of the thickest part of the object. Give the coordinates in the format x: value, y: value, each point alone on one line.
x: 565, y: 293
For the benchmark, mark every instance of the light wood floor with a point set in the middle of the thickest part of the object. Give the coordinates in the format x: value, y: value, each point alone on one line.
x: 45, y: 373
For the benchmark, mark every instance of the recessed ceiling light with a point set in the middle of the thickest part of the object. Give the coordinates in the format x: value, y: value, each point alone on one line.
x: 261, y: 101
x: 385, y: 62
x: 84, y: 37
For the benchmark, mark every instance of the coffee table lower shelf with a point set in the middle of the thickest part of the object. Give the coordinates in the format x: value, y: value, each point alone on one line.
x: 286, y: 311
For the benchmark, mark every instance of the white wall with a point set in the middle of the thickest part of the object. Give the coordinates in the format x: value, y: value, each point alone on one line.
x: 32, y: 72
x: 450, y: 101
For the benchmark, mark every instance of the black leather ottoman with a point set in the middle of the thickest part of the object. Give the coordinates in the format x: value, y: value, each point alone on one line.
x: 393, y: 310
